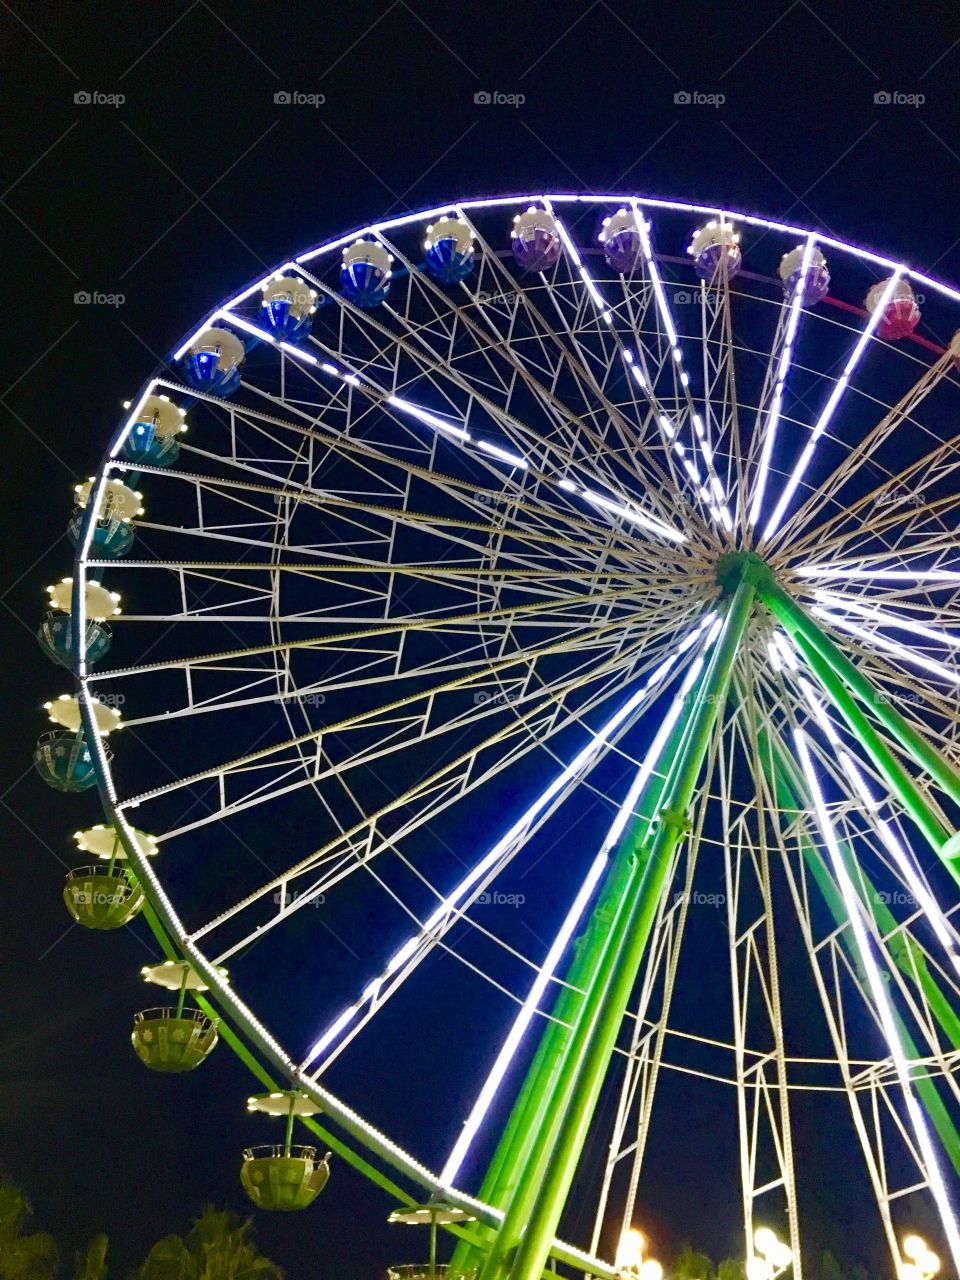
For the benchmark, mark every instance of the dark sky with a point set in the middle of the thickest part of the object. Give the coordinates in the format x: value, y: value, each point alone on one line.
x: 191, y: 186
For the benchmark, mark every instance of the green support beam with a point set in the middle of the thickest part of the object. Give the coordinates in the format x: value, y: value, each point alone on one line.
x: 533, y: 1213
x: 844, y: 684
x: 532, y: 1107
x: 789, y: 787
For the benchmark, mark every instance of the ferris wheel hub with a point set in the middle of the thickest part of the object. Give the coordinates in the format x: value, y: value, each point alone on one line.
x: 734, y: 567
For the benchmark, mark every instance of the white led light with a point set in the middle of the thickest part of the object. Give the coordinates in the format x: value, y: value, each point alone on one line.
x: 824, y: 420
x: 504, y: 455
x: 819, y: 712
x: 946, y: 576
x: 667, y: 725
x: 654, y: 274
x: 881, y: 1000
x: 632, y: 514
x: 874, y: 614
x: 891, y: 646
x: 339, y: 1024
x: 431, y: 419
x: 256, y: 288
x: 132, y: 418
x: 785, y: 649
x: 773, y: 415
x: 522, y: 1021
x: 571, y: 920
x: 921, y: 894
x: 445, y: 912
x: 298, y: 352
x: 245, y: 325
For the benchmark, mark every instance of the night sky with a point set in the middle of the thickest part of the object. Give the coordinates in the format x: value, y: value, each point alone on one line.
x: 194, y: 184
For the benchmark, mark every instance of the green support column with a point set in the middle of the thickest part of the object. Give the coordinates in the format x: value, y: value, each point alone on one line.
x: 789, y: 787
x: 841, y: 680
x: 532, y: 1107
x: 530, y: 1229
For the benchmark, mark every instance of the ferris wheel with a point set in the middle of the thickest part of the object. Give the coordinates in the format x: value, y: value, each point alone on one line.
x: 486, y: 515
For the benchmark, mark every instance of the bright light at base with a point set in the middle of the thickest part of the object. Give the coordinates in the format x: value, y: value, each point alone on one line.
x: 923, y: 1263
x: 772, y: 1256
x: 630, y: 1249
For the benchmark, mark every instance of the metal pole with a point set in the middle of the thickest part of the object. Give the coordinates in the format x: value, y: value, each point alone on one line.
x: 532, y: 1109
x: 791, y: 794
x: 288, y: 1136
x: 841, y: 680
x: 181, y: 998
x: 604, y: 1007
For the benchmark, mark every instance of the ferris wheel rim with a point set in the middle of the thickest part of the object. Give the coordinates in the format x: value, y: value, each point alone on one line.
x: 653, y: 202
x: 283, y: 1061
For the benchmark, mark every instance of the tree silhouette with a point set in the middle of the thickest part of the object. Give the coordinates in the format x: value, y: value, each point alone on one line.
x: 91, y: 1262
x: 219, y: 1246
x: 691, y: 1265
x: 23, y: 1256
